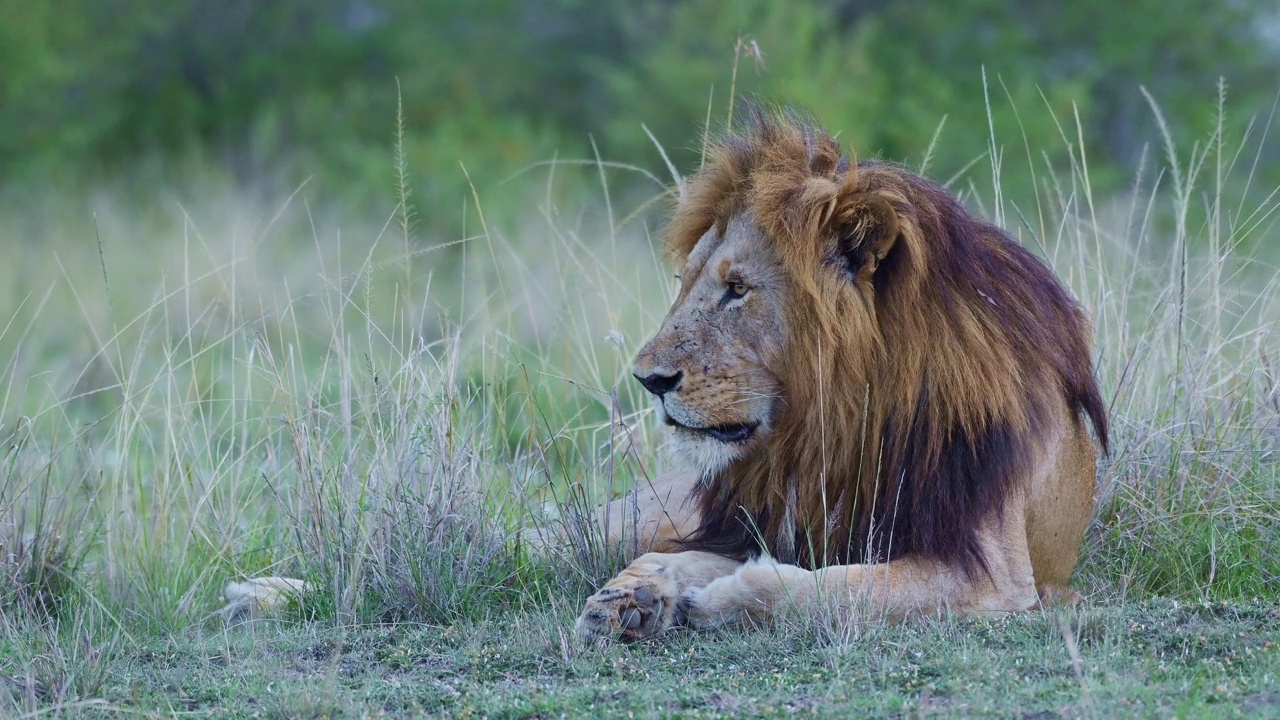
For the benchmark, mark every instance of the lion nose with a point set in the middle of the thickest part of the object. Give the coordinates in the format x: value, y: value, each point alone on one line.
x: 660, y: 384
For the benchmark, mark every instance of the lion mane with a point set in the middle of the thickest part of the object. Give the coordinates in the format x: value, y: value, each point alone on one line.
x: 924, y: 380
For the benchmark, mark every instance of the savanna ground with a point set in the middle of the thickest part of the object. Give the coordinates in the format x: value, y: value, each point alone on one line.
x: 197, y: 387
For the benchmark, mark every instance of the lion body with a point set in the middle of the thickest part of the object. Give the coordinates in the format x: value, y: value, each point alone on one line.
x: 878, y: 395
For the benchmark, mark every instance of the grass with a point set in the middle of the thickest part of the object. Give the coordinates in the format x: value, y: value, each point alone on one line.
x: 196, y: 387
x: 1156, y: 658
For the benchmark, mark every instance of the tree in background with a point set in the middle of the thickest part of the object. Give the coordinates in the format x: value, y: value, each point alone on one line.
x: 309, y: 87
x: 886, y: 72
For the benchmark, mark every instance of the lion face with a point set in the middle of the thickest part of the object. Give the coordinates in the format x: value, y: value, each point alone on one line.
x: 709, y: 365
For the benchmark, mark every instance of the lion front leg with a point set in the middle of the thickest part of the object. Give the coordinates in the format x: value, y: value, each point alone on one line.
x: 642, y: 601
x: 761, y: 590
x: 909, y: 586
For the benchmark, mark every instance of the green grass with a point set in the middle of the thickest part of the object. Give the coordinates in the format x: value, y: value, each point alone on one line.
x: 195, y: 388
x: 1156, y: 658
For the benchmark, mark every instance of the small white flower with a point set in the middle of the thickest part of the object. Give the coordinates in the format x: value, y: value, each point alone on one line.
x: 615, y: 337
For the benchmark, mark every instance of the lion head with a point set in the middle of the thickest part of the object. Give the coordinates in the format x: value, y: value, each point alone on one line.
x: 857, y: 366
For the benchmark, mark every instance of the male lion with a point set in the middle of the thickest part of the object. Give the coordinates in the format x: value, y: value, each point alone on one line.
x: 881, y: 398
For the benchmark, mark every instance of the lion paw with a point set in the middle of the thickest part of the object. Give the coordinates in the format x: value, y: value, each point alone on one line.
x: 757, y: 592
x: 261, y: 596
x: 633, y: 606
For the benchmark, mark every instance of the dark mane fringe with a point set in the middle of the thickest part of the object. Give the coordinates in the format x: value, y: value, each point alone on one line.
x: 930, y: 375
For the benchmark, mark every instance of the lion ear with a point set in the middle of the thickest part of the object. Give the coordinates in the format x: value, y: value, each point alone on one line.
x: 866, y: 228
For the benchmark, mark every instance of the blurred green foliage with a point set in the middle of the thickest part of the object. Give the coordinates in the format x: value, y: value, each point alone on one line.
x: 295, y: 88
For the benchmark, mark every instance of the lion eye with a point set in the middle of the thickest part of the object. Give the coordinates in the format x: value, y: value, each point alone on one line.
x: 738, y: 289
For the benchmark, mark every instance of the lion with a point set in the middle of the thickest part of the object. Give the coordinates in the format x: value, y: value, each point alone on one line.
x: 878, y: 398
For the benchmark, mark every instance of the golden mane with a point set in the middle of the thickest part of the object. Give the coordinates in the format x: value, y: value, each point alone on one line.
x: 921, y: 374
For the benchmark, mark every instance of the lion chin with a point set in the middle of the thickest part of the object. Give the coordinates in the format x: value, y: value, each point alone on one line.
x: 704, y: 455
x: 708, y: 450
x: 883, y: 403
